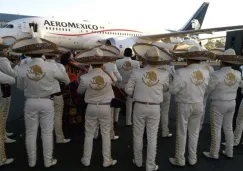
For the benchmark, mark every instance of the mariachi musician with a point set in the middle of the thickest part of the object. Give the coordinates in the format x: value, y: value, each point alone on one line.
x: 111, y: 69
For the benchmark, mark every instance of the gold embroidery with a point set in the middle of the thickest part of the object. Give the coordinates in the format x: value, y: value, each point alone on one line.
x: 151, y: 77
x: 230, y: 79
x: 163, y: 68
x: 197, y: 78
x: 127, y: 66
x: 207, y: 68
x: 98, y: 83
x: 35, y: 73
x: 213, y: 133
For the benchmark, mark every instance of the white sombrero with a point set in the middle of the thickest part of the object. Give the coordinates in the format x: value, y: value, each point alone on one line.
x: 34, y: 45
x: 217, y: 51
x: 153, y: 54
x: 58, y: 51
x: 195, y: 53
x: 97, y: 56
x: 2, y: 44
x: 110, y: 48
x: 230, y: 56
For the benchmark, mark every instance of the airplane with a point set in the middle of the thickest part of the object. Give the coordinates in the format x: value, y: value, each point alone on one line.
x: 84, y: 35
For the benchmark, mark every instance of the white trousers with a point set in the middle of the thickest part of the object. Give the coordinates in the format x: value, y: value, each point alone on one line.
x: 129, y: 110
x: 203, y: 115
x: 116, y: 114
x: 164, y: 111
x: 112, y: 131
x: 239, y: 125
x: 95, y: 114
x: 149, y: 116
x: 5, y: 103
x: 39, y: 111
x: 221, y: 114
x: 58, y: 107
x: 2, y: 138
x: 187, y: 121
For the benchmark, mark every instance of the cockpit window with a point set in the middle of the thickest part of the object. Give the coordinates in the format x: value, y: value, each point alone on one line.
x: 10, y: 26
x: 4, y: 26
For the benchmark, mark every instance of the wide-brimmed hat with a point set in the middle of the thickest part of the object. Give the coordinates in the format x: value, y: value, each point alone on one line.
x: 217, y: 51
x: 97, y: 56
x: 110, y: 48
x: 153, y: 54
x: 34, y: 45
x: 195, y: 53
x: 229, y: 56
x: 2, y: 44
x: 58, y: 51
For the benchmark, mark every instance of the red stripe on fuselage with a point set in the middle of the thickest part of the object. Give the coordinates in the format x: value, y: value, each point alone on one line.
x: 111, y: 30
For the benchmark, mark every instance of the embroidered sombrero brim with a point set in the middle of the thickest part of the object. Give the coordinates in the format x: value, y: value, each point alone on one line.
x: 217, y: 51
x: 233, y: 59
x: 110, y: 48
x: 164, y: 56
x: 33, y: 46
x: 88, y: 57
x: 196, y: 55
x: 58, y: 51
x: 2, y: 44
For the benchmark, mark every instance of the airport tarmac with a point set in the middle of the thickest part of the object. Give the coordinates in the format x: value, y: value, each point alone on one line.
x: 69, y: 155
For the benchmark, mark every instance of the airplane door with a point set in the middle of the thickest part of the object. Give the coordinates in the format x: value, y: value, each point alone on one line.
x: 25, y: 27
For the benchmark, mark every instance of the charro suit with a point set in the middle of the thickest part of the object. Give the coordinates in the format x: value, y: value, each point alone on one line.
x: 125, y: 67
x: 4, y: 79
x: 222, y: 91
x: 188, y: 86
x: 37, y: 79
x: 146, y: 86
x: 98, y: 94
x: 6, y: 68
x: 239, y: 124
x: 210, y: 69
x: 165, y: 105
x: 58, y: 103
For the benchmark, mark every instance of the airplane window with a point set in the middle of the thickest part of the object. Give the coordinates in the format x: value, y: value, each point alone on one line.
x: 56, y: 28
x: 59, y: 28
x: 10, y: 26
x: 53, y: 28
x: 63, y: 29
x: 46, y: 28
x: 69, y: 30
x: 66, y: 29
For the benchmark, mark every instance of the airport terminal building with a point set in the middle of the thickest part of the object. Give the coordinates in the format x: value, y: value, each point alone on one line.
x: 4, y: 18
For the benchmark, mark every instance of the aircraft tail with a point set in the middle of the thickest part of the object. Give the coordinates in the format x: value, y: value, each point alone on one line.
x: 196, y: 21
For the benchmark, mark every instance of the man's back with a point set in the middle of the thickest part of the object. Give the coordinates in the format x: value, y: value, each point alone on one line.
x: 97, y: 85
x: 224, y: 84
x: 37, y: 78
x: 189, y: 84
x: 125, y: 66
x: 149, y: 84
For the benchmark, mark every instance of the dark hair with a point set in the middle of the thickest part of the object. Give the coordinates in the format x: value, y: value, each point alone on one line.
x: 96, y: 65
x: 50, y: 56
x: 35, y: 55
x: 65, y: 58
x: 128, y: 52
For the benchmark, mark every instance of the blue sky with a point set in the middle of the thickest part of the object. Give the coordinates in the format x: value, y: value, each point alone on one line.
x: 148, y: 14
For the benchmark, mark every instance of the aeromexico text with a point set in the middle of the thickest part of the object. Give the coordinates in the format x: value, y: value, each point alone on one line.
x: 70, y: 24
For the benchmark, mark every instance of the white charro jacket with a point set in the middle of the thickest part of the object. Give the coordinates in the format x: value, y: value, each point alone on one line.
x: 189, y: 84
x: 223, y: 84
x: 56, y: 85
x: 97, y: 86
x: 148, y: 84
x: 125, y: 67
x: 38, y: 77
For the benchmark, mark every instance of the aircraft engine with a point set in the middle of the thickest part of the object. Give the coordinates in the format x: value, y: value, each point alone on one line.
x: 120, y: 44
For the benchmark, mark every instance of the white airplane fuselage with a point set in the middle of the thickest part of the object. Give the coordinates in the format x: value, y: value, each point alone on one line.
x: 73, y: 35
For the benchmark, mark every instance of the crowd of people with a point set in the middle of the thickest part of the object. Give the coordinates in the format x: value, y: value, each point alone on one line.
x: 145, y: 90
